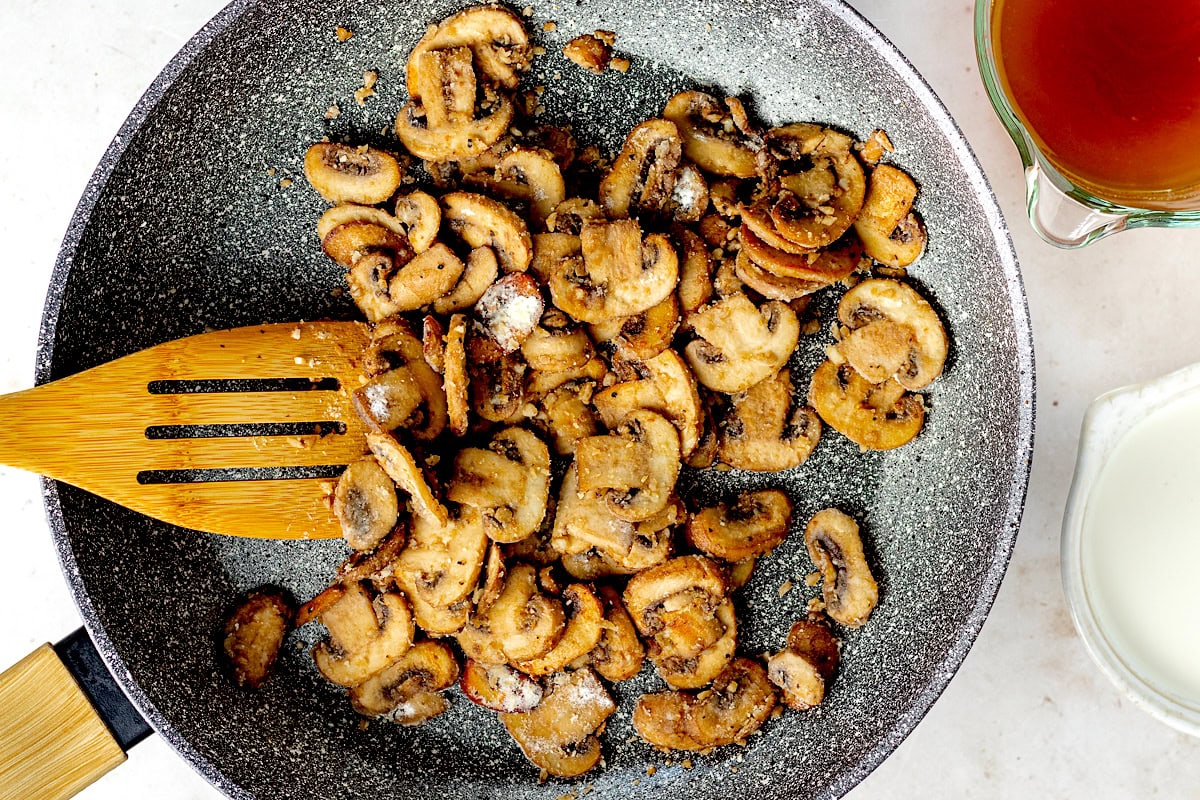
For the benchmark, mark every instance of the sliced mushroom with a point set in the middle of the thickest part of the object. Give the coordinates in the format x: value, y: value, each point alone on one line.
x: 642, y: 178
x: 571, y: 215
x: 344, y: 174
x: 443, y: 125
x: 766, y: 430
x: 528, y: 175
x: 352, y: 212
x: 705, y: 454
x: 556, y: 344
x: 565, y: 414
x: 643, y: 335
x: 376, y: 564
x: 636, y: 467
x: 421, y: 216
x: 509, y: 483
x: 400, y: 466
x: 495, y: 35
x: 559, y: 735
x: 741, y: 345
x: 537, y: 548
x: 481, y: 270
x: 506, y: 315
x: 689, y: 198
x: 894, y: 331
x: 754, y: 525
x: 695, y: 287
x: 619, y: 274
x: 433, y: 343
x: 820, y: 204
x: 710, y: 137
x: 457, y: 383
x: 740, y: 701
x: 549, y: 249
x: 442, y: 561
x: 675, y: 605
x: 481, y: 221
x: 585, y: 625
x: 366, y: 635
x: 393, y: 346
x: 542, y: 383
x: 352, y: 240
x: 891, y: 234
x: 407, y: 692
x: 434, y: 620
x: 770, y: 285
x: 802, y: 686
x: 682, y: 671
x: 365, y: 504
x: 668, y: 389
x: 499, y: 687
x: 811, y: 638
x: 498, y: 388
x: 740, y: 573
x: 521, y: 625
x: 875, y: 417
x: 847, y: 586
x: 829, y: 265
x: 619, y: 654
x: 254, y: 633
x: 425, y: 278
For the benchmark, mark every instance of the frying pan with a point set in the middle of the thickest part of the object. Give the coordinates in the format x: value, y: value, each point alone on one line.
x: 185, y: 226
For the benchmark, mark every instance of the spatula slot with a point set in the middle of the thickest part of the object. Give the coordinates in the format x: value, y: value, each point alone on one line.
x: 177, y: 476
x: 245, y: 429
x: 238, y: 385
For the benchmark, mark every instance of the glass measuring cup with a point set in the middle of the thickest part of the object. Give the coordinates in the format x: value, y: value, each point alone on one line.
x: 1065, y: 208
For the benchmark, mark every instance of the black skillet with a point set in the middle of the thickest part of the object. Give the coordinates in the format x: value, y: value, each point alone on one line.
x: 185, y: 226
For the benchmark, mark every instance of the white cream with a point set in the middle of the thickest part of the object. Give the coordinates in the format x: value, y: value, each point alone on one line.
x: 1140, y: 549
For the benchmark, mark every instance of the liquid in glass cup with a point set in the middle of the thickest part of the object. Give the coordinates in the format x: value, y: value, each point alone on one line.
x: 1102, y: 98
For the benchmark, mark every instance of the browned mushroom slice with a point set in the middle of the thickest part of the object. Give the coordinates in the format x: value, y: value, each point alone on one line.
x: 528, y: 175
x: 740, y: 701
x: 559, y: 735
x: 441, y: 125
x: 434, y: 620
x: 509, y: 483
x: 891, y: 234
x: 541, y: 383
x: 636, y: 466
x: 433, y: 343
x: 536, y: 548
x: 349, y: 242
x: 590, y: 52
x: 695, y: 272
x: 585, y: 624
x: 499, y: 687
x: 481, y: 270
x: 425, y: 278
x: 765, y: 430
x: 400, y: 466
x: 582, y: 520
x: 710, y: 137
x: 619, y: 274
x: 770, y: 285
x: 811, y: 638
x: 619, y: 654
x: 756, y: 217
x: 565, y: 414
x: 483, y: 222
x: 740, y: 573
x: 344, y: 174
x: 682, y: 671
x: 668, y: 389
x: 365, y: 504
x: 375, y: 564
x: 830, y: 265
x: 689, y: 198
x: 894, y: 331
x: 495, y: 35
x: 498, y: 388
x: 741, y: 345
x: 875, y: 417
x: 571, y: 215
x: 521, y: 625
x: 366, y: 635
x: 407, y: 692
x: 394, y: 345
x: 705, y: 454
x: 421, y: 217
x: 457, y: 383
x: 254, y: 633
x: 507, y: 313
x: 556, y: 344
x: 820, y: 204
x: 643, y: 335
x: 642, y: 178
x: 352, y: 212
x: 549, y: 250
x: 444, y: 560
x: 847, y: 586
x: 754, y: 525
x: 675, y: 605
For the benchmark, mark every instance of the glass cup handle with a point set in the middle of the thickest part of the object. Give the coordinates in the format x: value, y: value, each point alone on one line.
x: 1060, y: 219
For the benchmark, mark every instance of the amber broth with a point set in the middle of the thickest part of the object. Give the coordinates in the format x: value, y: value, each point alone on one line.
x: 1110, y: 90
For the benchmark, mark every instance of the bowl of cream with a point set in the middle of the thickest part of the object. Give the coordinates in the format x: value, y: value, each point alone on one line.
x: 1131, y: 543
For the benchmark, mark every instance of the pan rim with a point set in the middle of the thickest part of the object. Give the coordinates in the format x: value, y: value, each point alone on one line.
x: 1014, y: 285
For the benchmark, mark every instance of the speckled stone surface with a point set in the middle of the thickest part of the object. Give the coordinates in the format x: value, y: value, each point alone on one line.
x: 184, y: 228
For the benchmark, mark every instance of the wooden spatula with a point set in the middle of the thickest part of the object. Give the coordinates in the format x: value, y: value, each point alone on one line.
x: 141, y: 430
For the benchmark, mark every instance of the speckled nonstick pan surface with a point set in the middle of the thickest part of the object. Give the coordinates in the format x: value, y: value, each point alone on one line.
x: 185, y: 227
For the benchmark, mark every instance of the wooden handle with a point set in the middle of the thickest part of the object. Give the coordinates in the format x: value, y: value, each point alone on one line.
x: 52, y: 742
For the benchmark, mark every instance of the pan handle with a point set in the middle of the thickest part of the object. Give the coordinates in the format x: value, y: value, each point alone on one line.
x: 64, y: 722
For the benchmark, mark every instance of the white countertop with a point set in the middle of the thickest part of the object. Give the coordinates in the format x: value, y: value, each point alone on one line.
x: 1028, y: 714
